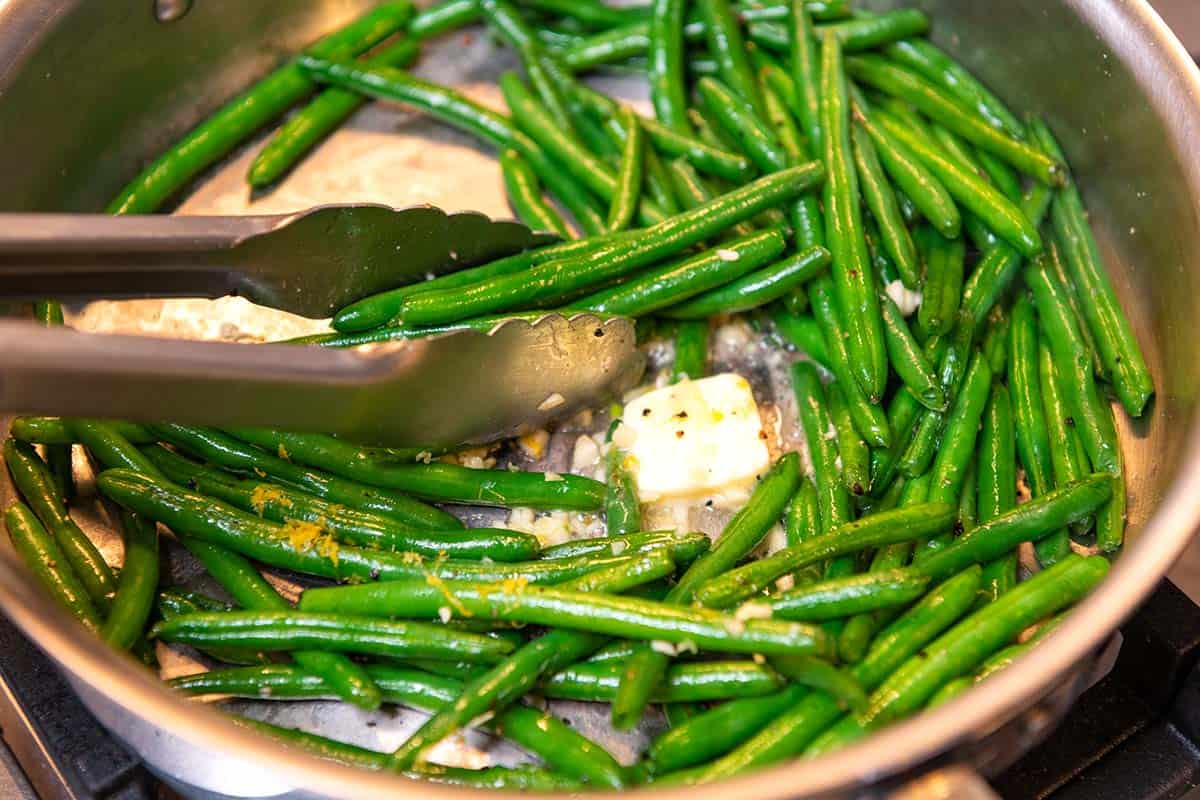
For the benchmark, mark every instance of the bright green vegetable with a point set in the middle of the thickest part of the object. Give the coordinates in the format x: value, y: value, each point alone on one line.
x: 941, y: 293
x: 755, y: 289
x: 525, y: 196
x: 1028, y: 522
x: 551, y: 281
x: 668, y: 89
x: 338, y: 633
x: 622, y: 509
x: 843, y: 597
x: 308, y: 126
x: 868, y: 417
x: 908, y: 359
x: 737, y: 117
x: 224, y: 130
x: 49, y: 565
x: 691, y: 349
x: 803, y: 333
x: 833, y: 498
x: 789, y: 733
x: 645, y: 668
x: 853, y: 280
x: 54, y: 430
x: 965, y: 645
x: 138, y: 583
x: 726, y: 45
x: 434, y: 481
x: 352, y: 526
x: 677, y: 281
x: 1111, y: 330
x: 212, y: 521
x: 870, y: 32
x: 923, y: 57
x: 878, y: 530
x: 881, y: 200
x: 899, y: 82
x: 629, y: 177
x: 854, y: 453
x: 33, y: 479
x: 226, y: 451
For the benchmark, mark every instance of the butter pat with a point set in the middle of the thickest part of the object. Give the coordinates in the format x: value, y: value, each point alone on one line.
x: 695, y: 438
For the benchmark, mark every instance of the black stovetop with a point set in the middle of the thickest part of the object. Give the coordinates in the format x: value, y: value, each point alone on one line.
x: 1132, y: 736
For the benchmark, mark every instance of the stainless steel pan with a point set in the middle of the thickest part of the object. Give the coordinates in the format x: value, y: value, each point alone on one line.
x: 90, y: 88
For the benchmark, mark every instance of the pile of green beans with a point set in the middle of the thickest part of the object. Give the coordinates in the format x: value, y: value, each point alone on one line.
x: 918, y: 256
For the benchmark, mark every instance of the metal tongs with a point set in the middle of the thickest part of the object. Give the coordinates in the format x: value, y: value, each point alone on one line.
x: 453, y: 388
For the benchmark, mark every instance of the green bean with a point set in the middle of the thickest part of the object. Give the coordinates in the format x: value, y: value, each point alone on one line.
x: 806, y: 73
x: 852, y: 277
x: 824, y: 677
x: 1057, y: 262
x: 512, y: 678
x: 629, y: 177
x: 726, y: 45
x: 957, y: 448
x: 1003, y: 176
x: 443, y: 17
x: 352, y: 526
x: 903, y: 414
x: 915, y: 181
x: 1092, y: 418
x: 174, y: 602
x: 645, y: 668
x: 952, y: 368
x: 833, y: 499
x: 858, y: 631
x: 248, y: 588
x: 702, y: 681
x: 525, y: 196
x: 789, y: 733
x: 404, y: 333
x: 226, y: 451
x: 738, y: 118
x: 589, y: 170
x: 520, y: 779
x: 802, y: 517
x: 308, y: 126
x: 658, y: 183
x: 942, y: 290
x: 871, y: 32
x: 975, y: 194
x: 907, y: 358
x: 868, y: 417
x: 665, y: 286
x: 718, y: 730
x: 622, y: 510
x: 691, y: 348
x: 995, y: 346
x: 1028, y: 522
x: 668, y: 91
x: 922, y: 57
x: 381, y: 309
x: 1032, y: 434
x: 589, y: 12
x: 339, y: 633
x: 755, y: 289
x: 710, y: 160
x: 433, y: 481
x: 553, y: 280
x: 996, y: 488
x: 1111, y: 330
x: 48, y: 564
x: 192, y: 514
x: 844, y: 597
x: 106, y: 444
x: 948, y: 692
x: 502, y: 18
x: 853, y: 452
x: 32, y: 478
x: 808, y: 222
x: 221, y: 132
x: 1000, y: 265
x: 54, y: 430
x: 1068, y: 462
x: 878, y: 530
x: 803, y: 333
x: 135, y: 590
x: 683, y: 547
x: 965, y: 645
x: 881, y: 200
x: 932, y: 101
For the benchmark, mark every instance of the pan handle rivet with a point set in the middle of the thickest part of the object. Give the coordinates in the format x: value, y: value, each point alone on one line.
x: 171, y: 10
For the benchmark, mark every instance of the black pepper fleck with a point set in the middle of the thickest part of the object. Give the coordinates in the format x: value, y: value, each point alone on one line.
x: 678, y: 434
x: 645, y: 412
